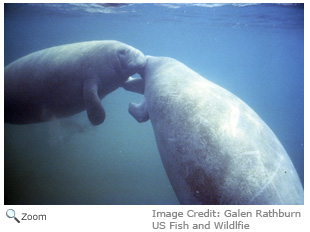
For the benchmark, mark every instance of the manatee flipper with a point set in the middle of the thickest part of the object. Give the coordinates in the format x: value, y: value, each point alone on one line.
x: 139, y: 111
x: 134, y: 85
x: 95, y: 111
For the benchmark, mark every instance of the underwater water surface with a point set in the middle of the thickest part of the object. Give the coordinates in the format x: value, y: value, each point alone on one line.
x: 256, y: 51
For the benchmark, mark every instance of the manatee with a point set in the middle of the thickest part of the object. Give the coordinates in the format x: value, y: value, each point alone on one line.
x: 64, y: 80
x: 214, y: 147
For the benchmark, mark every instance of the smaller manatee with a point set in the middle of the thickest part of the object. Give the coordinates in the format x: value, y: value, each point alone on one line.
x: 64, y: 80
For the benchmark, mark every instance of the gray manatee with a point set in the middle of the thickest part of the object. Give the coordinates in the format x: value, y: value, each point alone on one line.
x: 64, y: 80
x: 214, y: 147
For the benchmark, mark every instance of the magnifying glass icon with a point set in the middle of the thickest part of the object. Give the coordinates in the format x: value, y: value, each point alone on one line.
x: 10, y: 213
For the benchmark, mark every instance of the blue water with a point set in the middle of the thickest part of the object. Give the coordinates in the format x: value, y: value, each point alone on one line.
x: 254, y: 51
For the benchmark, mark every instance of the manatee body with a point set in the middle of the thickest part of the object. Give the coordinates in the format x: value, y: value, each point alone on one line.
x: 214, y: 147
x: 64, y: 80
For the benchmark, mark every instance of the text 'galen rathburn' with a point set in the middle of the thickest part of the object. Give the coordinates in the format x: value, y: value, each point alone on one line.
x: 262, y: 213
x: 227, y: 213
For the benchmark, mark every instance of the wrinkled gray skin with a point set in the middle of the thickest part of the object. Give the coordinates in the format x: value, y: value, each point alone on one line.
x: 214, y: 147
x: 64, y: 80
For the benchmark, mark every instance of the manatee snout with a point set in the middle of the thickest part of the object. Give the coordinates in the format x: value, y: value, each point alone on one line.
x: 132, y: 60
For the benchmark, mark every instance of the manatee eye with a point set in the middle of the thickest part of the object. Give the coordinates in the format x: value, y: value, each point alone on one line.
x: 122, y: 51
